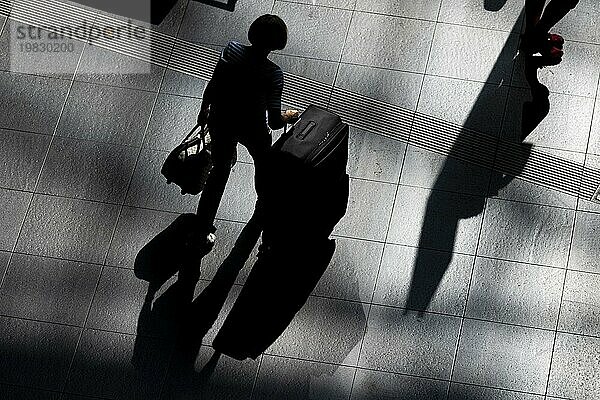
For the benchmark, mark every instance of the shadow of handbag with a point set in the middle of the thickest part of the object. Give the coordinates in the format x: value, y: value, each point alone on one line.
x: 189, y: 164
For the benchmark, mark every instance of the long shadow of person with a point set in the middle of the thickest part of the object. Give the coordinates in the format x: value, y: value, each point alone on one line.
x: 167, y: 254
x: 444, y: 211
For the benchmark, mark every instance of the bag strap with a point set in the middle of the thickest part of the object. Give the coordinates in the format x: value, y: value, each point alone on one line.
x: 194, y: 131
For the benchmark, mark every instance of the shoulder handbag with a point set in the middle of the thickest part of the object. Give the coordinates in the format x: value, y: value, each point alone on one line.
x: 190, y: 163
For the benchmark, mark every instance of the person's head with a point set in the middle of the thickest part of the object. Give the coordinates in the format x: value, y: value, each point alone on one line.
x: 267, y: 33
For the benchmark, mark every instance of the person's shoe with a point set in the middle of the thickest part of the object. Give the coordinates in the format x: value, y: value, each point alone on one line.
x: 548, y: 45
x: 556, y: 40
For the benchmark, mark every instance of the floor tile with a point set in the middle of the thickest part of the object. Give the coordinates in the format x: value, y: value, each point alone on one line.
x: 230, y: 379
x: 87, y: 170
x: 172, y: 119
x: 203, y: 23
x: 20, y: 393
x: 322, y: 71
x: 20, y: 94
x: 459, y: 391
x: 307, y: 39
x: 526, y: 233
x: 22, y: 154
x: 352, y: 272
x: 504, y: 356
x: 592, y: 163
x: 240, y: 196
x: 594, y: 143
x: 392, y: 87
x: 428, y: 169
x: 182, y: 84
x: 492, y: 63
x: 474, y: 105
x: 388, y: 42
x: 421, y: 9
x: 425, y: 280
x: 36, y: 354
x: 374, y: 157
x: 117, y: 366
x: 584, y: 248
x: 113, y: 115
x: 283, y: 378
x: 506, y: 187
x: 580, y: 310
x: 4, y: 257
x: 102, y: 66
x: 136, y: 227
x: 367, y: 198
x: 579, y: 24
x: 324, y: 330
x: 520, y: 294
x: 402, y: 342
x: 577, y: 74
x: 502, y: 15
x: 48, y: 290
x: 169, y: 25
x: 150, y: 189
x: 436, y: 220
x: 13, y: 207
x: 224, y: 312
x: 575, y: 366
x: 56, y: 57
x: 373, y: 385
x: 566, y: 127
x: 72, y: 229
x: 117, y: 302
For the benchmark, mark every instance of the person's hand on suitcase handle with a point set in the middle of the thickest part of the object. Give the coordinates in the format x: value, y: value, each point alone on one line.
x: 290, y: 116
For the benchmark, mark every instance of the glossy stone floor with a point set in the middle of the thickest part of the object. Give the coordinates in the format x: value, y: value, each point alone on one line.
x: 513, y: 268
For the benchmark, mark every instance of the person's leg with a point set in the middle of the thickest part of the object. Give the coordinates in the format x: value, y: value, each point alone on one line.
x: 259, y: 148
x: 554, y: 12
x: 533, y: 14
x: 223, y: 151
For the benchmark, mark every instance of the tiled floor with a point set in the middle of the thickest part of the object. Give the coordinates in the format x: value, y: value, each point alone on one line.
x: 449, y: 281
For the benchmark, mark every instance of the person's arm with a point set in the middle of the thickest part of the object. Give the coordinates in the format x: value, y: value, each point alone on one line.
x: 277, y: 119
x: 209, y: 90
x: 207, y: 97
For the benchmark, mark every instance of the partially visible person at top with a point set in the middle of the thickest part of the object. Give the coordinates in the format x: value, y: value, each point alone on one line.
x: 240, y: 103
x: 538, y: 23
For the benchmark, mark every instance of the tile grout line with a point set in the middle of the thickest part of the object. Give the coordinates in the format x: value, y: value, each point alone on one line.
x: 587, y: 147
x: 367, y: 180
x: 483, y: 213
x: 35, y: 193
x: 390, y: 219
x: 566, y: 272
x: 339, y: 61
x: 335, y: 236
x: 328, y: 105
x: 317, y: 297
x: 390, y: 372
x: 556, y: 331
x: 126, y: 193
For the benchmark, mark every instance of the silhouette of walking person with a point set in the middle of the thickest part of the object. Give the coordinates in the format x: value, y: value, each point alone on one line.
x: 541, y: 49
x: 245, y: 88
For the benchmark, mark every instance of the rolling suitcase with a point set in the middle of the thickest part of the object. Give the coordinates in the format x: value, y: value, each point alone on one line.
x: 306, y: 196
